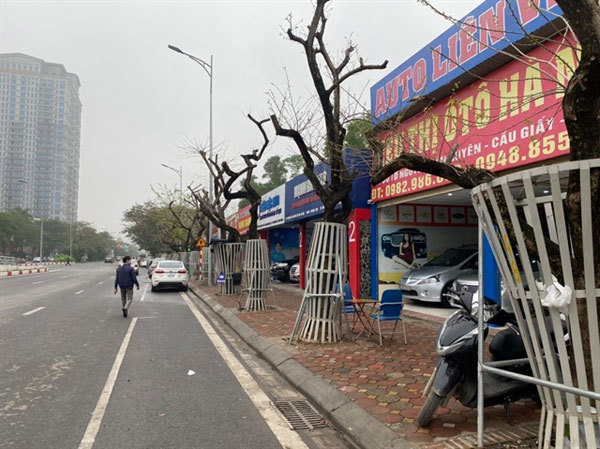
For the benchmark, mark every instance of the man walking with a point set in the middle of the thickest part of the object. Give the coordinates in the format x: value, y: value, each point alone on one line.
x: 125, y: 280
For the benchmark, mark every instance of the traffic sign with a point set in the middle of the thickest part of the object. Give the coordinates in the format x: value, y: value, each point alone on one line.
x: 221, y: 278
x: 201, y: 243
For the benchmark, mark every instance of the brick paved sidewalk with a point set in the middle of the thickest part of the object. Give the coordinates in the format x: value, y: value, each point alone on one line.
x: 386, y: 381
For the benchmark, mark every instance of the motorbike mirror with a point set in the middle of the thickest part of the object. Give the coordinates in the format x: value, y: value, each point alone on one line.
x: 466, y: 300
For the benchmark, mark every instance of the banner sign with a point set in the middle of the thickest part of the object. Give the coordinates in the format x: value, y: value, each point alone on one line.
x: 300, y: 199
x: 243, y: 219
x: 271, y: 211
x: 482, y: 34
x: 512, y: 117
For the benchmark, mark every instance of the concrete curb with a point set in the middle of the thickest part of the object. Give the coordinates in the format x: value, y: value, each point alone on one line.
x: 24, y: 271
x: 359, y: 426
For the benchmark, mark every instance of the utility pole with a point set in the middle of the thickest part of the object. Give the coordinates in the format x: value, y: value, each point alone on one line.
x: 209, y: 69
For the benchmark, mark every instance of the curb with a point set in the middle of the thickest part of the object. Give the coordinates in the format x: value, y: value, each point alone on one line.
x: 23, y: 272
x: 351, y: 419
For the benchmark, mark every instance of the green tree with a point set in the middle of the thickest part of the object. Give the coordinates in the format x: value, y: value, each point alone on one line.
x: 275, y: 172
x: 356, y: 134
x: 294, y: 165
x: 159, y: 227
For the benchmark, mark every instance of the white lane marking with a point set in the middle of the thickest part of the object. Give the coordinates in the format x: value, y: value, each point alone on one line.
x: 101, y: 282
x: 275, y: 421
x: 89, y: 437
x: 33, y: 311
x: 64, y: 277
x: 79, y: 292
x: 38, y: 282
x: 145, y: 291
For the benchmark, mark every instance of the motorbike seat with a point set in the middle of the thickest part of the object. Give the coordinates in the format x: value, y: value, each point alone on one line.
x: 507, y: 345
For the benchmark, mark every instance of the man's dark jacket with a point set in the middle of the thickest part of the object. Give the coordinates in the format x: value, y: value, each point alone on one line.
x: 126, y: 277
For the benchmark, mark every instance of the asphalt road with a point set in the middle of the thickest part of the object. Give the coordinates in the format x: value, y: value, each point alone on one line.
x: 75, y: 374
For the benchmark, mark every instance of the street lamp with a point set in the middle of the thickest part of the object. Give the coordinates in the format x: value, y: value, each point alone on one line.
x: 180, y: 173
x: 208, y: 68
x: 41, y: 220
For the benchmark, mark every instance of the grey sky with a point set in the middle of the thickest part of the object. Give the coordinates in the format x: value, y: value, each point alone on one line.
x: 142, y: 101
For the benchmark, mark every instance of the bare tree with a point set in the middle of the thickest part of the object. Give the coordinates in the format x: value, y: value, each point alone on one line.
x: 224, y: 179
x: 190, y: 220
x: 322, y: 67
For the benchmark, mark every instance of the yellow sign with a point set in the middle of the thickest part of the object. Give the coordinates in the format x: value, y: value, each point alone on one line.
x: 200, y: 243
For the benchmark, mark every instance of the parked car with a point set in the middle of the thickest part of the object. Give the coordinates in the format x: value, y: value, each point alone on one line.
x: 36, y: 260
x: 281, y: 270
x: 469, y: 283
x: 152, y: 265
x: 431, y: 282
x: 109, y: 260
x: 170, y: 273
x: 295, y: 272
x: 134, y: 265
x: 143, y: 262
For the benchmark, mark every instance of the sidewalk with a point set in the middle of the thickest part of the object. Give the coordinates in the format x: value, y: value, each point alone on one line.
x: 386, y: 382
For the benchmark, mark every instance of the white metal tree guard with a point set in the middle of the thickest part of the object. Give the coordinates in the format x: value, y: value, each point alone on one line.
x: 228, y: 260
x: 532, y: 203
x: 326, y: 269
x: 257, y: 276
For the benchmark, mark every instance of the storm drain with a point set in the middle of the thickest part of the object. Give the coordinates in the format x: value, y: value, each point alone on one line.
x: 300, y: 414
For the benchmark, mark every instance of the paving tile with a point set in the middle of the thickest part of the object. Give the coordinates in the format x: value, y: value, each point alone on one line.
x: 394, y: 375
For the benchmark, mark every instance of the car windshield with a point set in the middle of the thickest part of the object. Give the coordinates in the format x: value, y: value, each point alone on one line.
x: 170, y: 264
x: 451, y: 257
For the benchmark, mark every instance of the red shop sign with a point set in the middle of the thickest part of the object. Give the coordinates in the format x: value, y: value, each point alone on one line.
x: 510, y: 118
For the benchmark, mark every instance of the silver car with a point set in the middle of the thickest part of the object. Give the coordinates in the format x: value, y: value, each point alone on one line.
x: 430, y: 282
x: 295, y: 272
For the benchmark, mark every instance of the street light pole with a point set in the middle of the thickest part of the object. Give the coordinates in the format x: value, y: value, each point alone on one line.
x: 22, y: 181
x: 209, y: 69
x: 180, y: 173
x: 41, y: 237
x: 70, y: 239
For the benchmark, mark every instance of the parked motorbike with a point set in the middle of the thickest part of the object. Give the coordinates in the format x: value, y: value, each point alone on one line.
x: 455, y: 374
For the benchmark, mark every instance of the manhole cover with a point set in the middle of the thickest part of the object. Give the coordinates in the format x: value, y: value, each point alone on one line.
x: 300, y: 414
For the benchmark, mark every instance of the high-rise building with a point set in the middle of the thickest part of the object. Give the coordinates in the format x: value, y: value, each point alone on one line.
x: 40, y: 125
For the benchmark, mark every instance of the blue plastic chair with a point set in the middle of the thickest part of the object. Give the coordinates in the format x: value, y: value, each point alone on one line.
x: 389, y: 309
x: 348, y: 307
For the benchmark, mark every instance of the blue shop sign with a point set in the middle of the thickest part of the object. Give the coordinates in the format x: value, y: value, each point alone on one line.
x: 480, y: 36
x: 271, y: 209
x: 301, y: 201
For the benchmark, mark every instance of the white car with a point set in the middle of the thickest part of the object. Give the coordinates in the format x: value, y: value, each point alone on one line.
x: 134, y: 265
x: 170, y: 273
x: 295, y: 272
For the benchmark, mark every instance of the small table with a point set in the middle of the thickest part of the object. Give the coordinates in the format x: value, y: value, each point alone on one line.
x: 362, y: 315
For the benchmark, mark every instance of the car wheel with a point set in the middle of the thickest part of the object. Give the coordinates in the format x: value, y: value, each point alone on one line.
x: 153, y: 288
x: 444, y: 298
x: 185, y: 288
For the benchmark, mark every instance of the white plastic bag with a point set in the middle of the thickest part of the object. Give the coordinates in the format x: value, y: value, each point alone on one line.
x: 557, y: 295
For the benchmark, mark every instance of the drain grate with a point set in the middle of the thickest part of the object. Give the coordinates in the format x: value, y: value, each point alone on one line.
x: 300, y: 414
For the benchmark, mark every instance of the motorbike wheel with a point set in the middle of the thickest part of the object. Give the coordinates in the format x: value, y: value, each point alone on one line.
x: 444, y: 298
x: 431, y: 405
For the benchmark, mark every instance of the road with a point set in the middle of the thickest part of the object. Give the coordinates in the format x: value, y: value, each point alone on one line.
x: 75, y: 374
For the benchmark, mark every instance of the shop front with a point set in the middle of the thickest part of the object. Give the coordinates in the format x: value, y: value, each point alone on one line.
x: 303, y: 208
x: 498, y: 114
